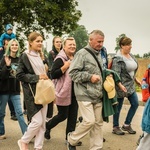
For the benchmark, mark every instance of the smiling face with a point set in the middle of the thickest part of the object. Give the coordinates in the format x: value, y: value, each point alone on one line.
x: 69, y: 46
x: 57, y: 43
x: 14, y: 47
x: 36, y: 44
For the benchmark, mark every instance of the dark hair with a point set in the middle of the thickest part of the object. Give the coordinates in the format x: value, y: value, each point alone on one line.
x: 125, y: 41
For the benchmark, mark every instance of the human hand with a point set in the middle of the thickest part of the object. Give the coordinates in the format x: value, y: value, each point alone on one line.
x: 1, y: 48
x: 7, y: 60
x: 43, y: 76
x: 122, y: 87
x: 65, y: 66
x: 95, y: 78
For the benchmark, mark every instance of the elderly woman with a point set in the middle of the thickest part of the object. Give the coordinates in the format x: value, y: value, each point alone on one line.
x: 126, y: 66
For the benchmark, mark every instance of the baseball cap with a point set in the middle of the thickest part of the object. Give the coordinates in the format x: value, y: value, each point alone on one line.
x: 109, y: 86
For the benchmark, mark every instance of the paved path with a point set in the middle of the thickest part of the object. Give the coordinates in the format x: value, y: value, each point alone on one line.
x: 57, y: 142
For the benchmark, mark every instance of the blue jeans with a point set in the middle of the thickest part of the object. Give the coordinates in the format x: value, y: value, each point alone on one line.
x: 18, y: 110
x: 133, y: 99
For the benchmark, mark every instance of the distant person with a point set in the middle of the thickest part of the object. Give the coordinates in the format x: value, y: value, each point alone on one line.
x: 8, y: 34
x: 65, y: 98
x: 125, y: 64
x: 10, y: 86
x: 56, y: 47
x: 31, y: 69
x: 87, y: 77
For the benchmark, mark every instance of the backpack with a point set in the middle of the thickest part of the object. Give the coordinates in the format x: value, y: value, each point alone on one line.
x: 146, y: 91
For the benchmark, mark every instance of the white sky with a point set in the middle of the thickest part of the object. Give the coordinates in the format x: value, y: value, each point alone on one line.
x: 114, y: 17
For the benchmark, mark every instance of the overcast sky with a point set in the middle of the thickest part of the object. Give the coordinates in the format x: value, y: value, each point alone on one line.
x: 114, y: 17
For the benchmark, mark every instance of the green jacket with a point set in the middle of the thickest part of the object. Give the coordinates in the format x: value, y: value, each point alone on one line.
x: 109, y: 105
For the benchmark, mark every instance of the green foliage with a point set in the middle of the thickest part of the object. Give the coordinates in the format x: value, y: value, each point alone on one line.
x: 81, y: 36
x: 137, y: 56
x: 45, y: 16
x: 117, y: 42
x: 146, y: 55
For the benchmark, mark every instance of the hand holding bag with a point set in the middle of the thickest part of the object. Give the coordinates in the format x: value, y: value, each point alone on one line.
x: 45, y: 92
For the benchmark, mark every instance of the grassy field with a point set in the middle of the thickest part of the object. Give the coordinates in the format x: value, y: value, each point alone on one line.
x: 143, y: 64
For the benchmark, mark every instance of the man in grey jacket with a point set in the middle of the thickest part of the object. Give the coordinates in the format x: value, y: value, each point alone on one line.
x: 87, y: 78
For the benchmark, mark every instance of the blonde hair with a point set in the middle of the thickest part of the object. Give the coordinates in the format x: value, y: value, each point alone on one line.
x: 7, y: 53
x: 68, y: 39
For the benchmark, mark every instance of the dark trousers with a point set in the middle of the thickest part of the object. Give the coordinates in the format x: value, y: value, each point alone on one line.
x: 11, y: 108
x: 65, y: 112
x: 50, y: 110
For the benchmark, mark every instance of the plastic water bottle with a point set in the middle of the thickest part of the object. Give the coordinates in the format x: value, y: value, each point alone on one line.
x: 144, y: 85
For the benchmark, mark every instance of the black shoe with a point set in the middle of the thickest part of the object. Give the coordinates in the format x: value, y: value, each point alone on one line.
x: 128, y: 129
x: 80, y: 119
x: 47, y: 134
x: 70, y: 147
x: 117, y: 130
x: 13, y: 117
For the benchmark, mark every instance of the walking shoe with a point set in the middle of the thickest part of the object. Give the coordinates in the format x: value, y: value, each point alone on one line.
x: 2, y: 137
x: 118, y: 131
x: 13, y: 117
x: 47, y: 134
x: 128, y: 129
x: 70, y: 147
x: 78, y: 144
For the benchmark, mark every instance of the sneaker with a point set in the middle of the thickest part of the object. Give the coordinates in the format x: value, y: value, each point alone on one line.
x: 70, y: 147
x: 118, y: 131
x: 128, y: 129
x: 13, y: 117
x: 47, y: 134
x: 2, y: 137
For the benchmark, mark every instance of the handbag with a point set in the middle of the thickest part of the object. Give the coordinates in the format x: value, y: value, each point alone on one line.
x: 45, y: 92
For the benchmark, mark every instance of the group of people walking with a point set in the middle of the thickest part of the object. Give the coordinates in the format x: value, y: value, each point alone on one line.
x: 78, y: 78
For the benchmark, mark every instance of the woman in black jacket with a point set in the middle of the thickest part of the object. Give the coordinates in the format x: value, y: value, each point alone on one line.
x: 10, y: 86
x: 32, y: 69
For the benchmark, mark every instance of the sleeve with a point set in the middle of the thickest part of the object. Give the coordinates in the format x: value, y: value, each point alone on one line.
x: 77, y: 69
x: 4, y: 70
x: 116, y: 66
x: 1, y: 39
x: 25, y: 72
x: 56, y: 72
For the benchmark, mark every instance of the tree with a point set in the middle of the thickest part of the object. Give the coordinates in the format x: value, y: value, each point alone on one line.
x: 146, y: 55
x: 46, y: 16
x: 81, y: 36
x: 117, y: 42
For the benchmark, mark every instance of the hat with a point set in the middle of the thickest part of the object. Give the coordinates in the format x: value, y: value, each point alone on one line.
x: 109, y: 86
x: 8, y: 27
